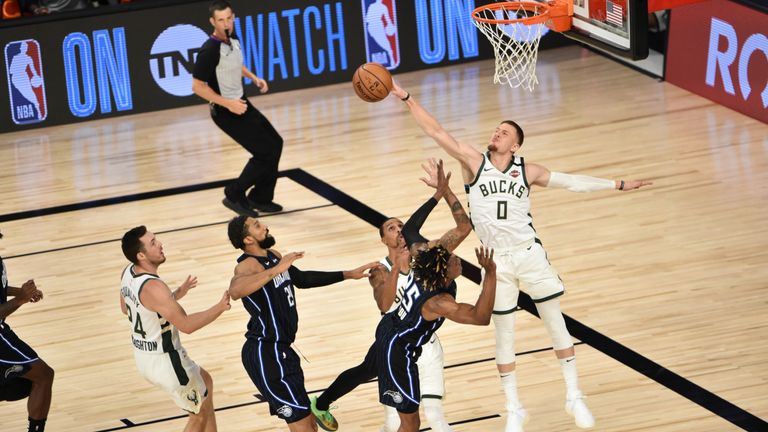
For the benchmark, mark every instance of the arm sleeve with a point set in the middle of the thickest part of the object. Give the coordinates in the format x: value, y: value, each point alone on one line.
x: 312, y: 279
x: 579, y: 183
x: 411, y: 228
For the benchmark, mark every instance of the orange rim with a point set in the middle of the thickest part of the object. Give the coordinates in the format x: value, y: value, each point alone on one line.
x: 541, y: 9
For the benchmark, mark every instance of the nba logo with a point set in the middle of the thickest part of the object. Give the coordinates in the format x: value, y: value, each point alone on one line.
x: 26, y: 86
x: 380, y: 22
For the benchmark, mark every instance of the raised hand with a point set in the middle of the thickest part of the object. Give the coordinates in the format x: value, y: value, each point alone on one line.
x: 436, y: 176
x: 402, y: 260
x: 485, y: 258
x: 398, y: 91
x: 184, y: 288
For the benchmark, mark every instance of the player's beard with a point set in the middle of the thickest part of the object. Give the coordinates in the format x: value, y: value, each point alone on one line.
x: 268, y: 242
x: 492, y: 147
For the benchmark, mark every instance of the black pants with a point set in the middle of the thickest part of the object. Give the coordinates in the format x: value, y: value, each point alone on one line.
x: 255, y: 133
x: 350, y: 379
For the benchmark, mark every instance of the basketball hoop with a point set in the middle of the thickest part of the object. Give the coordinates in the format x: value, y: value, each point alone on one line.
x: 514, y: 30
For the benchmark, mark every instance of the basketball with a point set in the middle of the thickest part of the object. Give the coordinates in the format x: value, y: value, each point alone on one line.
x: 372, y: 82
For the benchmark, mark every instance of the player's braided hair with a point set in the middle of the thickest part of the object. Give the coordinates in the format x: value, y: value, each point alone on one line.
x: 430, y: 267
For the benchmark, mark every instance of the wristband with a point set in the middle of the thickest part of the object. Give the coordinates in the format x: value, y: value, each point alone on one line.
x: 621, y: 185
x: 407, y: 96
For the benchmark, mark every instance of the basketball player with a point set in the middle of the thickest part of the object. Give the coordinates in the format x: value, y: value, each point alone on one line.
x: 156, y: 318
x: 429, y: 298
x: 388, y: 281
x: 498, y: 184
x: 265, y: 281
x: 218, y: 78
x: 22, y: 373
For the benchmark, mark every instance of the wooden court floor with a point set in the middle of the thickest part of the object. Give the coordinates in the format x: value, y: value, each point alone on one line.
x: 676, y: 272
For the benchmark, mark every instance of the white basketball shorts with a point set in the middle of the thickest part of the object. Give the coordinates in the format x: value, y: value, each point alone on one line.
x: 177, y: 374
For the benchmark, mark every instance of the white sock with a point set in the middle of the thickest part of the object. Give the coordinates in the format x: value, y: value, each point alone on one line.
x: 433, y: 410
x: 509, y: 384
x: 568, y: 365
x: 391, y: 420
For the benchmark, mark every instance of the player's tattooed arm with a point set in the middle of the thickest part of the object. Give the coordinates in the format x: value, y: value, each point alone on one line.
x: 451, y: 239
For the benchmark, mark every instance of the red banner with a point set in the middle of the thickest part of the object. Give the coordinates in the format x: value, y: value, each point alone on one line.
x: 719, y: 50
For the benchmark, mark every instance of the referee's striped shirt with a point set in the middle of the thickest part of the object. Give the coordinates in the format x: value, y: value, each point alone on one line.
x: 220, y: 64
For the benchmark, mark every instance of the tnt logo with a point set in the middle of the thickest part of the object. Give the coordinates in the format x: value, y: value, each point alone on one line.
x: 173, y: 56
x: 381, y: 42
x: 26, y: 86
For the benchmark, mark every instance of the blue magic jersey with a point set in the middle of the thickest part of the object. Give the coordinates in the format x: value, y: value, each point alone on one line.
x: 405, y: 325
x: 273, y: 307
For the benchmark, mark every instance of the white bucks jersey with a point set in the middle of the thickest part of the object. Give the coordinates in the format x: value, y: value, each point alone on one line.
x: 500, y: 206
x: 150, y: 333
x: 402, y: 281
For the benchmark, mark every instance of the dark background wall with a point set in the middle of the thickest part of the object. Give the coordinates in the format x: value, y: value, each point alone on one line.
x: 140, y: 59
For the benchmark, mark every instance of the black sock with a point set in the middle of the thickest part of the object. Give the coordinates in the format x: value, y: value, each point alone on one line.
x: 345, y: 383
x: 36, y: 425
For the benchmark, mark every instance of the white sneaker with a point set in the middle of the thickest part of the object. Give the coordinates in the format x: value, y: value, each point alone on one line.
x: 578, y: 409
x: 516, y: 419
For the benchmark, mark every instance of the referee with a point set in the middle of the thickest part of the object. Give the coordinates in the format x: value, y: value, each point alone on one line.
x: 218, y: 78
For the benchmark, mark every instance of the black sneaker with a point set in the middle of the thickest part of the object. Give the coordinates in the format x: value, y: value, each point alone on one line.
x: 270, y: 207
x: 239, y: 208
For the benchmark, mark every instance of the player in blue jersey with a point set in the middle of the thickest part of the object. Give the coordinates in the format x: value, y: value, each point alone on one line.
x: 428, y: 299
x: 22, y: 373
x: 265, y: 281
x: 389, y: 281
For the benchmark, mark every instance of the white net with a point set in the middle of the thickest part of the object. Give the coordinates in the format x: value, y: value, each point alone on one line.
x: 516, y: 45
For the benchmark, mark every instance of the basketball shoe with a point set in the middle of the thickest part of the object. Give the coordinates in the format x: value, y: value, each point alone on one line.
x: 578, y: 409
x: 324, y: 419
x: 516, y: 418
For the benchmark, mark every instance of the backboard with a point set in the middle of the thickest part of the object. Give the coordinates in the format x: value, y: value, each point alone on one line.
x: 616, y: 26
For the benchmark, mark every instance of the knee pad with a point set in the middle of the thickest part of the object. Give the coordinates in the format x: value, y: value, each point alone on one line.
x: 550, y: 314
x: 15, y: 389
x: 504, y: 326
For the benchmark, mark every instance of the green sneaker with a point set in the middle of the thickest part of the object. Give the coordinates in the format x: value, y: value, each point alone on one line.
x: 324, y: 419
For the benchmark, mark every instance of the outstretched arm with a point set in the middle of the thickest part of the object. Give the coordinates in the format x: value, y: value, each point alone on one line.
x: 157, y: 297
x: 436, y: 179
x: 480, y: 313
x: 541, y: 176
x: 312, y: 279
x: 470, y: 157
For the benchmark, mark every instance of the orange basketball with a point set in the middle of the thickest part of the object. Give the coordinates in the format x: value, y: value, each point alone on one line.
x: 372, y: 82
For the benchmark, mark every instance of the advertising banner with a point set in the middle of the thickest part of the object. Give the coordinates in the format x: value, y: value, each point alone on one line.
x: 92, y: 67
x: 719, y: 50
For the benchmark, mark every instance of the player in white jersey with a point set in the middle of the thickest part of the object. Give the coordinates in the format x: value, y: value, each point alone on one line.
x: 156, y: 318
x: 498, y: 184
